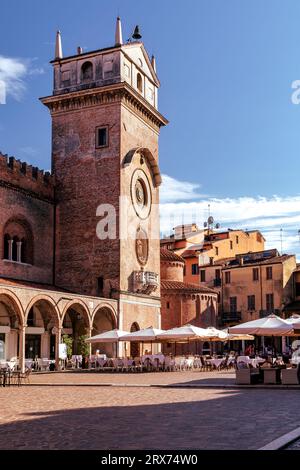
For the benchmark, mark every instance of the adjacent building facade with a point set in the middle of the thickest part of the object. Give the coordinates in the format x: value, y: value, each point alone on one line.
x: 183, y: 303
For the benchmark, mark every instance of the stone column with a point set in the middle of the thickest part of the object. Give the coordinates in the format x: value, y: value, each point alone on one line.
x: 19, y: 252
x: 22, y: 333
x: 10, y: 249
x: 57, y: 343
x: 89, y: 331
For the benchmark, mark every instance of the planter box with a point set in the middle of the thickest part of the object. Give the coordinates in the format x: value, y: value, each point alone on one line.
x: 289, y: 377
x: 247, y: 377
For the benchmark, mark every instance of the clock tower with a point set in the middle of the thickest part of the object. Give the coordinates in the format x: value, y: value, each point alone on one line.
x: 105, y: 129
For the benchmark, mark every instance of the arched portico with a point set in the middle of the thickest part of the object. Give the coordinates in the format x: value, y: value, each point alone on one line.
x: 104, y: 319
x: 11, y: 325
x: 76, y: 323
x: 42, y: 321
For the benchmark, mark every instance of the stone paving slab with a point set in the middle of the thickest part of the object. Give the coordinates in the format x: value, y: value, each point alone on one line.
x: 144, y: 417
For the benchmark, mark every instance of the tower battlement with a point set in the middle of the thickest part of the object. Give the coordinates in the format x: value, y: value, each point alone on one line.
x: 27, y: 177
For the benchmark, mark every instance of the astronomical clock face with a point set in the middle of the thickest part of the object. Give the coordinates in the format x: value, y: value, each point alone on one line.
x: 141, y: 194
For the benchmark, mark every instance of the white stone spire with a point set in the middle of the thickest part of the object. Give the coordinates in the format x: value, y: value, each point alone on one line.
x: 58, y: 46
x: 153, y: 63
x: 118, y: 35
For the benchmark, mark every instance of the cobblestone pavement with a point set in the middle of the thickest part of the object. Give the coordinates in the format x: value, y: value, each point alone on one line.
x: 45, y: 417
x: 147, y: 378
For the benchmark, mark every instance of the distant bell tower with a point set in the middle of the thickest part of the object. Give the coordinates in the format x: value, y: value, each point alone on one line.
x: 105, y: 129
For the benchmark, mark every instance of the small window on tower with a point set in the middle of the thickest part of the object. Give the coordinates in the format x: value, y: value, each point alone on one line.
x: 101, y: 137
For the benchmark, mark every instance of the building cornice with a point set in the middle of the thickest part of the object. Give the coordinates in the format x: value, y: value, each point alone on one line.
x: 118, y: 92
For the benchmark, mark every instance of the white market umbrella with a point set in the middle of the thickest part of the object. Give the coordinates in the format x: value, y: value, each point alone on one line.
x: 238, y: 336
x: 294, y: 320
x: 146, y: 335
x: 268, y: 326
x: 183, y: 333
x: 216, y: 335
x: 112, y: 336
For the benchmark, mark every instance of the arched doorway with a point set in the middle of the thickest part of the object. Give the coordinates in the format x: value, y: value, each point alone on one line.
x: 11, y: 319
x: 76, y: 328
x: 104, y: 320
x: 42, y: 321
x: 134, y: 347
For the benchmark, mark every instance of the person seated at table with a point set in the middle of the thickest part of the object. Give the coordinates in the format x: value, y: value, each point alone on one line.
x: 146, y: 352
x: 242, y: 365
x: 279, y: 361
x: 248, y: 350
x: 266, y: 365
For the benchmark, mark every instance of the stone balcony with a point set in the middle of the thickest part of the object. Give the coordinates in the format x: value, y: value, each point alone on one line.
x: 145, y: 282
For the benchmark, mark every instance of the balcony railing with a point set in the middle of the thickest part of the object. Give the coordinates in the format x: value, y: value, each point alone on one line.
x: 145, y: 282
x: 266, y: 313
x: 228, y: 317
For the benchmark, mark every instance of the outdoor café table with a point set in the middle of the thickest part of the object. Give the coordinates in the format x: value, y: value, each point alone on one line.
x: 215, y: 362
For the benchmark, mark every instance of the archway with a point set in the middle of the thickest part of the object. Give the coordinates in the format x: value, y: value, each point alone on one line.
x: 11, y: 320
x: 104, y: 320
x: 76, y: 328
x: 134, y: 347
x: 42, y: 319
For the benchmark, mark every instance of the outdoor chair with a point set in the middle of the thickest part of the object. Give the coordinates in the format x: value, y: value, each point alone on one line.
x: 127, y: 365
x: 179, y: 363
x: 116, y: 364
x: 169, y: 364
x: 44, y: 363
x: 24, y: 376
x: 138, y: 366
x: 207, y: 365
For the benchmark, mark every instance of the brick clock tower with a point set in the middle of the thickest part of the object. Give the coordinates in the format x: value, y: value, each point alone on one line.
x: 105, y: 129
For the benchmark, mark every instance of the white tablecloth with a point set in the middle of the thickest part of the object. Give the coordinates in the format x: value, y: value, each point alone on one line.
x: 215, y: 362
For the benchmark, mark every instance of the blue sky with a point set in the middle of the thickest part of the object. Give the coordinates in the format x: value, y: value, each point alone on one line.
x: 226, y: 69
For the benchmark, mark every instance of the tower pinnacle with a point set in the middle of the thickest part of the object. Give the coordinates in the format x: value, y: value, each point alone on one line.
x: 58, y: 46
x: 118, y: 35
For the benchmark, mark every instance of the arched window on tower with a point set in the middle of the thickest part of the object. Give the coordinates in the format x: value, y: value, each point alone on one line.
x: 18, y: 241
x: 87, y: 72
x: 139, y: 82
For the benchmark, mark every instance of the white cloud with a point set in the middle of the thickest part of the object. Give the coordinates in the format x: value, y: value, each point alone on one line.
x: 173, y: 190
x: 266, y: 214
x: 13, y: 72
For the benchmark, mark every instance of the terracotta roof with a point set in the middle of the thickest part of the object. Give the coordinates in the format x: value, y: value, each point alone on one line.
x: 167, y: 255
x: 183, y: 286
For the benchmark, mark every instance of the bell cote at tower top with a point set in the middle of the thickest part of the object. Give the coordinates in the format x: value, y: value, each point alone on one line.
x: 127, y: 63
